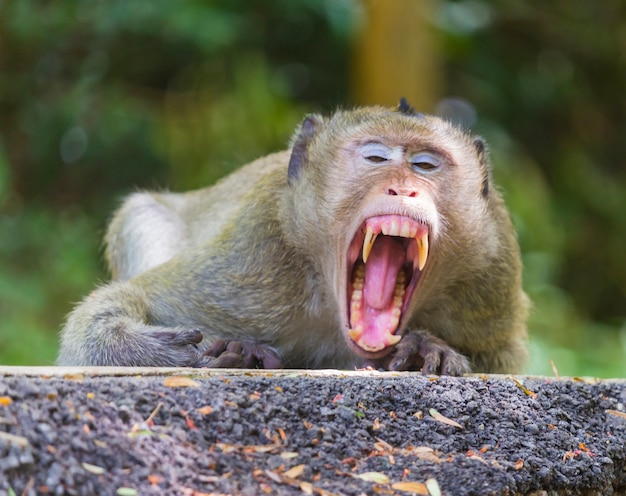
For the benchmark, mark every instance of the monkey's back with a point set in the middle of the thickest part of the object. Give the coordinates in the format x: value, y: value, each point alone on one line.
x: 207, y: 211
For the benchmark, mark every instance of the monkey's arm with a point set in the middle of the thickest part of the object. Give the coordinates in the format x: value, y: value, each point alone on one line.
x: 112, y: 328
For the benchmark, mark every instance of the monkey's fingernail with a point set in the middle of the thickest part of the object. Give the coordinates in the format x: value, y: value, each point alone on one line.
x: 368, y: 242
x: 422, y: 249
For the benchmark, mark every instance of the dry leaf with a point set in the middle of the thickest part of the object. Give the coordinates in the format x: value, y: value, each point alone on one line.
x: 554, y: 369
x: 306, y: 487
x: 376, y: 477
x: 126, y: 491
x: 617, y: 413
x: 519, y: 464
x: 420, y: 450
x: 527, y: 391
x: 433, y: 487
x: 73, y: 377
x: 294, y: 472
x: 5, y: 400
x: 274, y: 476
x: 410, y: 487
x: 205, y: 410
x: 281, y: 433
x: 287, y: 455
x: 179, y: 381
x: 381, y: 445
x: 13, y: 439
x: 444, y: 420
x: 154, y: 479
x: 94, y: 469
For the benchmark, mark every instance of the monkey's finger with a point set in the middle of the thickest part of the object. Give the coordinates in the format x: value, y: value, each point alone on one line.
x: 454, y: 363
x: 405, y: 351
x: 226, y: 360
x: 431, y: 363
x: 234, y: 347
x: 216, y: 349
x: 268, y: 358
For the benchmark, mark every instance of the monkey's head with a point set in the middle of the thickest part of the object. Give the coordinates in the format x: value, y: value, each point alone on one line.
x: 384, y: 202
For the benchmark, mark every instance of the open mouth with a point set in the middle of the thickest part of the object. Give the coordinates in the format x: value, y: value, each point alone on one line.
x: 385, y: 261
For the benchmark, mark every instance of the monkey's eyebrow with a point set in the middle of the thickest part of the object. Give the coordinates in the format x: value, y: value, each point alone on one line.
x: 374, y: 148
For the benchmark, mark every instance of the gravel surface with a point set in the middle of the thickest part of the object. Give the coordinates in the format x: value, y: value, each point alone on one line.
x: 304, y: 433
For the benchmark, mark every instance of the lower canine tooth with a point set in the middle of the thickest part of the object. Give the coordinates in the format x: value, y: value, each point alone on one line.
x: 355, y: 333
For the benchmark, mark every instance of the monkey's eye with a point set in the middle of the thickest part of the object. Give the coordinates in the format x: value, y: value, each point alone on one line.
x: 375, y: 153
x: 425, y: 162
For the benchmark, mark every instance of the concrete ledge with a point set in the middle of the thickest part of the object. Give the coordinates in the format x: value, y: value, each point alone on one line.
x: 128, y: 431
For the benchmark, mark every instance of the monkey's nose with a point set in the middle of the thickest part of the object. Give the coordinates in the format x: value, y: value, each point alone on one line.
x: 411, y: 193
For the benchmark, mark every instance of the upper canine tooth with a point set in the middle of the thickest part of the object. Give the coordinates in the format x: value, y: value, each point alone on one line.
x: 368, y: 242
x: 422, y: 250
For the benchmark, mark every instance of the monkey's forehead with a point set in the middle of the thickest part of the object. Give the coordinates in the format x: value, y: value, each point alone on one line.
x: 390, y: 120
x: 394, y: 128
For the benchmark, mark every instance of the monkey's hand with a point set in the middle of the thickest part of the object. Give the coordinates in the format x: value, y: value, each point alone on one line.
x: 241, y: 354
x: 420, y: 349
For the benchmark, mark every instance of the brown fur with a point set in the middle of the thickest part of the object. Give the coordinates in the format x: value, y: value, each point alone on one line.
x: 260, y: 259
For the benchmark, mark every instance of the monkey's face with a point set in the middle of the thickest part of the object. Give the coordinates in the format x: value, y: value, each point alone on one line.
x: 396, y: 191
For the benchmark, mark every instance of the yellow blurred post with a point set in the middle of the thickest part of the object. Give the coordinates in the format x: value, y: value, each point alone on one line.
x: 396, y: 54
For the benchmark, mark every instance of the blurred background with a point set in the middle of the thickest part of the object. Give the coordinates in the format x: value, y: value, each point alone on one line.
x: 98, y: 99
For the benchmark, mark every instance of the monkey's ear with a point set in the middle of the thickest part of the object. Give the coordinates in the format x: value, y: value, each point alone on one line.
x: 481, y: 151
x: 405, y: 108
x: 300, y: 144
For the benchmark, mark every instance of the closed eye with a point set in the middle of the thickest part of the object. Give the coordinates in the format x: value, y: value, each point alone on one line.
x: 425, y: 162
x: 376, y: 159
x: 375, y: 153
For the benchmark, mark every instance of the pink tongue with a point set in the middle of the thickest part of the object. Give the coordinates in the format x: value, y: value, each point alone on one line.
x: 381, y: 270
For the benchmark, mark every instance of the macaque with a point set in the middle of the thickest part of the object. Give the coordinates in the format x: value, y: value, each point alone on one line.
x: 377, y: 239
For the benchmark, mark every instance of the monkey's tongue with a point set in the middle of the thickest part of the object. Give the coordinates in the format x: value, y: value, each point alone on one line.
x: 381, y: 271
x: 376, y: 301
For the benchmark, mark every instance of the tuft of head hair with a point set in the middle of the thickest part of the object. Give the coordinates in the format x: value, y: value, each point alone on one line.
x: 404, y: 107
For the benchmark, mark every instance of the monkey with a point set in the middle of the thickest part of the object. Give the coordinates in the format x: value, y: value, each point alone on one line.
x: 376, y: 239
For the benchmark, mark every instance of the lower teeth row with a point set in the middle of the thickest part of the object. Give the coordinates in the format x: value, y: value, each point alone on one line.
x: 356, y: 299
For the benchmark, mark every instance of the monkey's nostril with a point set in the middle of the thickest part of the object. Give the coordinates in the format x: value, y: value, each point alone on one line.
x: 401, y: 192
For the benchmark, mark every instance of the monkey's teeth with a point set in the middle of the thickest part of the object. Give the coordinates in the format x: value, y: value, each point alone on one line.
x: 355, y: 334
x: 356, y: 313
x: 422, y: 250
x: 368, y: 242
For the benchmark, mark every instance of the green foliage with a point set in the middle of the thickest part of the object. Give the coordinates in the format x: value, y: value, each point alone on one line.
x: 46, y: 261
x: 98, y: 98
x: 546, y: 80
